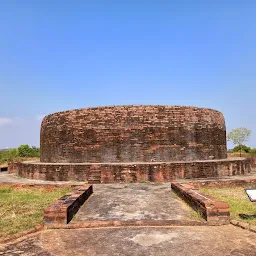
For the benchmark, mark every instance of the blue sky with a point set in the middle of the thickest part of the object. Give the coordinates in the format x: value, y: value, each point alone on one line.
x: 60, y: 55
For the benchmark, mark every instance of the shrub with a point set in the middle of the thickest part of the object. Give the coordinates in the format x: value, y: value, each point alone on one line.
x: 243, y: 148
x: 13, y: 154
x: 22, y: 151
x: 253, y: 151
x: 27, y: 151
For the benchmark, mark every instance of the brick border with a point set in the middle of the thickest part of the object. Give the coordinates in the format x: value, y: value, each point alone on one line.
x: 35, y: 185
x: 10, y: 238
x: 129, y: 223
x: 63, y: 209
x: 223, y: 183
x: 214, y: 211
x: 244, y: 225
x: 131, y: 172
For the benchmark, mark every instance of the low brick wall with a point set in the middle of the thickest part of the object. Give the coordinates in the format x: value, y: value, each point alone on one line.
x: 131, y: 172
x: 214, y: 211
x: 247, y: 182
x: 13, y: 167
x: 246, y: 155
x: 62, y: 211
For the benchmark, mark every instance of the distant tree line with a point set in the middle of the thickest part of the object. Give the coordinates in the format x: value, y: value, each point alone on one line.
x: 23, y: 151
x: 242, y: 149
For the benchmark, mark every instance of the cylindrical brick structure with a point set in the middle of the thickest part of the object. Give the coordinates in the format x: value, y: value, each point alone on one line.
x: 122, y: 134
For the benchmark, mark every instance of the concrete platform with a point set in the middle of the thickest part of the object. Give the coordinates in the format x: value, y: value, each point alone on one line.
x: 124, y: 202
x: 150, y: 241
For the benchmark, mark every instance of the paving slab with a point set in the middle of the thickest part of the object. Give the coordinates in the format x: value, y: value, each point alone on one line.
x: 149, y: 241
x: 124, y: 202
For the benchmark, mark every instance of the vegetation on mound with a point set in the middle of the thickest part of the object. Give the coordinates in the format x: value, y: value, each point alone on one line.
x: 241, y: 208
x: 22, y: 208
x: 20, y: 153
x: 244, y: 150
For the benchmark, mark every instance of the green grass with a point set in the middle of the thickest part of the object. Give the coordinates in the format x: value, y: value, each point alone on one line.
x: 22, y: 208
x: 241, y: 208
x: 196, y: 215
x: 144, y: 181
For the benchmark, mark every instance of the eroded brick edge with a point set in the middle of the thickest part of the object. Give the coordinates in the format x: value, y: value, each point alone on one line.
x: 244, y: 225
x: 129, y: 223
x: 131, y: 172
x: 23, y: 234
x: 214, y: 211
x: 248, y: 182
x: 63, y: 209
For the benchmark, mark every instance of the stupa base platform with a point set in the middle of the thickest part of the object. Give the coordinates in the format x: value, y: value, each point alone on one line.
x: 131, y: 172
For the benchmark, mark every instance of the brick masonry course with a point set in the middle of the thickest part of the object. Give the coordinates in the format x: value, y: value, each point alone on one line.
x: 133, y: 134
x: 62, y: 211
x: 133, y: 144
x: 246, y: 155
x: 214, y: 211
x: 131, y: 172
x: 245, y: 182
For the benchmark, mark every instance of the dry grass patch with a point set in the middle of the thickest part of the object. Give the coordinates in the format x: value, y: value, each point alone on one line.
x: 241, y: 208
x: 22, y: 208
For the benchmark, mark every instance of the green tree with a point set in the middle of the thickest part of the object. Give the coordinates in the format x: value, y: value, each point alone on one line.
x: 242, y: 148
x: 239, y: 136
x: 3, y: 156
x: 13, y: 154
x: 253, y: 151
x: 24, y: 150
x: 35, y: 152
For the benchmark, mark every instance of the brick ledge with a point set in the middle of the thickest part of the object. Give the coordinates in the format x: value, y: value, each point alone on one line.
x: 214, y: 211
x: 243, y: 225
x: 63, y: 210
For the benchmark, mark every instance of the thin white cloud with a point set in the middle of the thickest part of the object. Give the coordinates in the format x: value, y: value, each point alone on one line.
x: 40, y: 117
x: 5, y: 121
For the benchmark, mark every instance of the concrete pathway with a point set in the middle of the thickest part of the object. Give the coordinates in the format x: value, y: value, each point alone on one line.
x: 151, y: 201
x: 150, y: 241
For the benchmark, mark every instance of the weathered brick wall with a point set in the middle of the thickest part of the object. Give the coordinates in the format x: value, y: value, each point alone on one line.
x: 247, y: 155
x: 63, y: 210
x: 133, y: 134
x: 115, y: 173
x: 244, y: 182
x: 13, y: 167
x: 214, y: 211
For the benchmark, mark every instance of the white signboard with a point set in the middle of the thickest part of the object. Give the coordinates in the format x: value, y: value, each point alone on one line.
x: 251, y: 192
